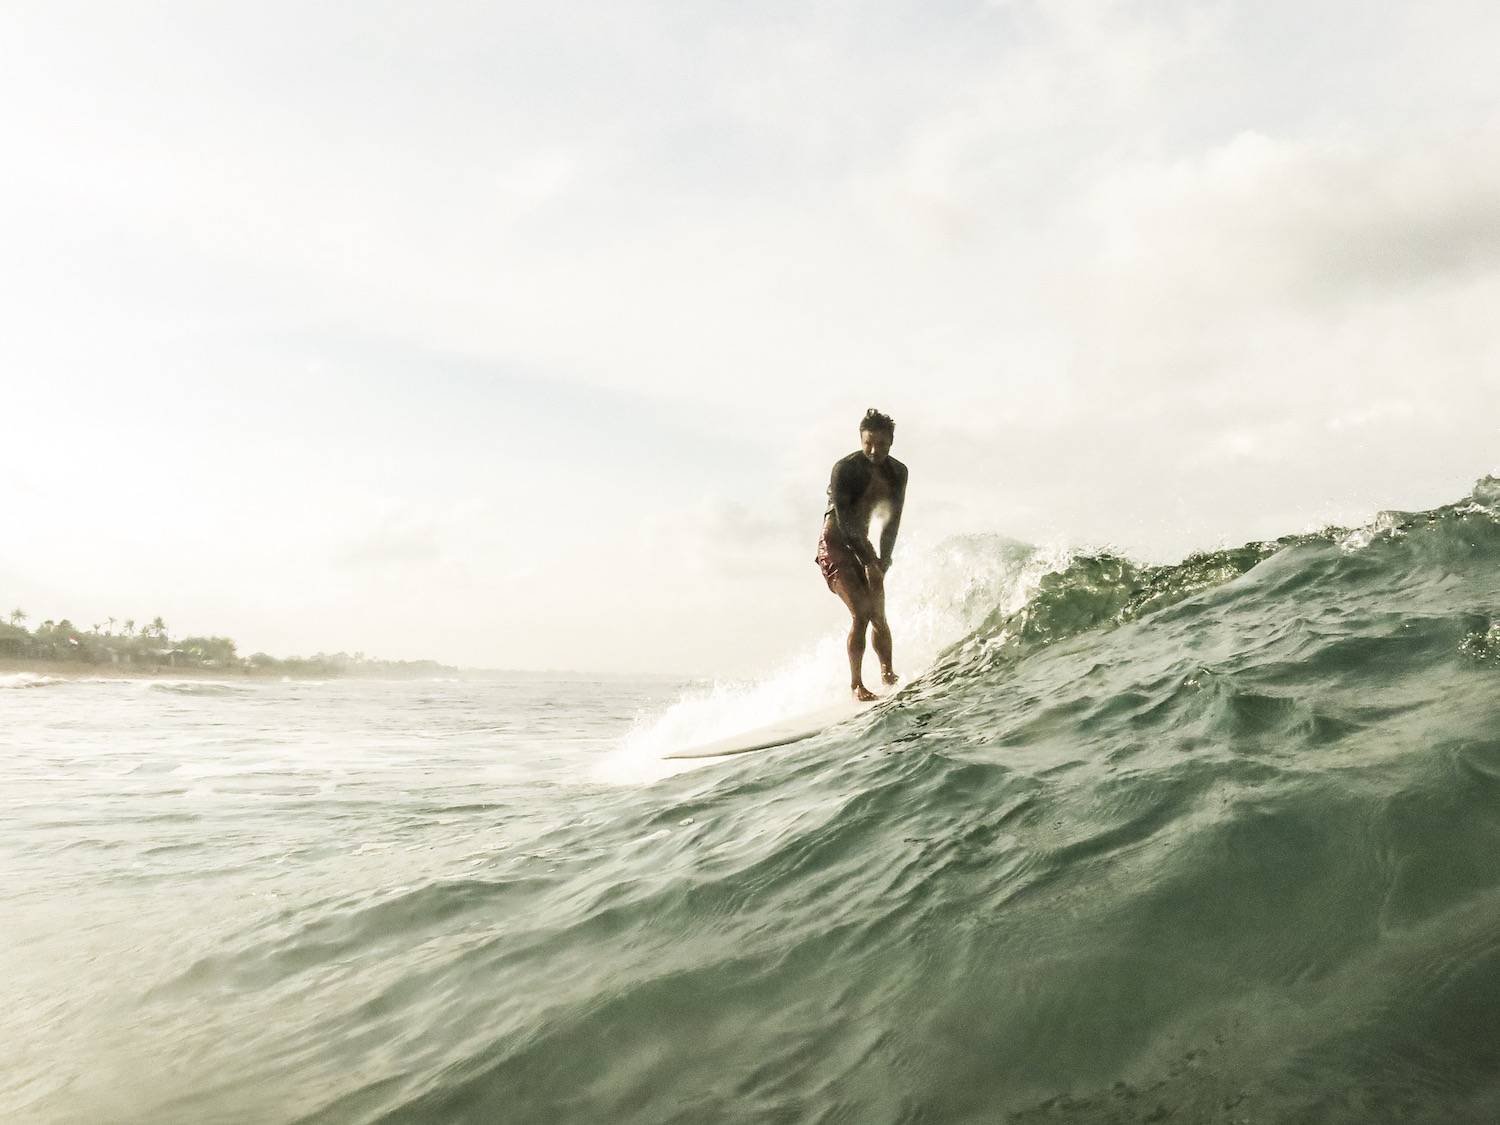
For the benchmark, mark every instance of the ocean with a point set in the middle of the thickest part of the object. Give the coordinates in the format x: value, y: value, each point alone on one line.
x: 1210, y: 842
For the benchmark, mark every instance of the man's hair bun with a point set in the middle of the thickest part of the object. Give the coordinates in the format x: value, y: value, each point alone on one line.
x: 877, y: 423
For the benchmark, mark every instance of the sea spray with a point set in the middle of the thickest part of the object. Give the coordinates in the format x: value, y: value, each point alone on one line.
x: 941, y: 593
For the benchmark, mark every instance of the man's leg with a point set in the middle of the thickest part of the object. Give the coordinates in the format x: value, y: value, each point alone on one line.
x: 881, y: 631
x: 856, y: 597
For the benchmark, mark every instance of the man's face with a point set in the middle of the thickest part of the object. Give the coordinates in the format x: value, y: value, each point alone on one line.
x: 877, y: 445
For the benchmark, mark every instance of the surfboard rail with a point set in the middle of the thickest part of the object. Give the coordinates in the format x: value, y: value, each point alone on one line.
x: 781, y: 733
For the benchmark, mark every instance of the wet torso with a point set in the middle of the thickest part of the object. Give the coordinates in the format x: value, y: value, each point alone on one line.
x: 870, y: 487
x: 876, y: 502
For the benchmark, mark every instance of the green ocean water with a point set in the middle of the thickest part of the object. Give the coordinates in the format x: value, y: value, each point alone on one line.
x: 1212, y: 842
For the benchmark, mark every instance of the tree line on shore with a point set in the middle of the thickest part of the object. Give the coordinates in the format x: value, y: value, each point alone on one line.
x: 151, y: 646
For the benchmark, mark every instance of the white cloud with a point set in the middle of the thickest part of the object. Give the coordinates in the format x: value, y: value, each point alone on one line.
x: 1156, y: 274
x: 1287, y: 222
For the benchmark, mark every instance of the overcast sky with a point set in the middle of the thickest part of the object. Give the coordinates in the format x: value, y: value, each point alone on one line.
x: 525, y: 335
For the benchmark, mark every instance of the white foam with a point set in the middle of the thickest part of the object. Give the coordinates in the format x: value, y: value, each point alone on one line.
x: 28, y: 680
x: 941, y: 595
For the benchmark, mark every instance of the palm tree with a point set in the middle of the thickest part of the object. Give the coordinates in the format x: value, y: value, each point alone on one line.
x: 17, y: 616
x: 129, y: 626
x: 111, y: 621
x: 159, y: 627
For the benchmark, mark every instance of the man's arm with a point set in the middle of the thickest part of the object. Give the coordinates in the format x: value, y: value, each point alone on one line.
x: 842, y: 490
x: 893, y: 525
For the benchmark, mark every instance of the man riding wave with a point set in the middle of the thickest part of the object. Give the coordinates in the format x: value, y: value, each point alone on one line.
x: 868, y: 484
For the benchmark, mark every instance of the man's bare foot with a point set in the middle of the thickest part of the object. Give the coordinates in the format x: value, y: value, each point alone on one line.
x: 889, y: 678
x: 864, y: 694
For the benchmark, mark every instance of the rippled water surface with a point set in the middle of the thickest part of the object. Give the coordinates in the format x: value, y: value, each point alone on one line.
x: 1214, y: 842
x: 206, y: 876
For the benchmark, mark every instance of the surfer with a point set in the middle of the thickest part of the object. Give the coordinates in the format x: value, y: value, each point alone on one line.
x: 868, y: 484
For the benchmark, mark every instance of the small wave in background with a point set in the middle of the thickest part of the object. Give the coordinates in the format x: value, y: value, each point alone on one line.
x: 1209, y: 842
x: 27, y: 680
x: 198, y: 687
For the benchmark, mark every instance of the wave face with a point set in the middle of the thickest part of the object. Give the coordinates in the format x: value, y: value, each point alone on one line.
x: 1213, y: 842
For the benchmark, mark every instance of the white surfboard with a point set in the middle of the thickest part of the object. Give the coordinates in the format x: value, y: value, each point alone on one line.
x: 781, y: 733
